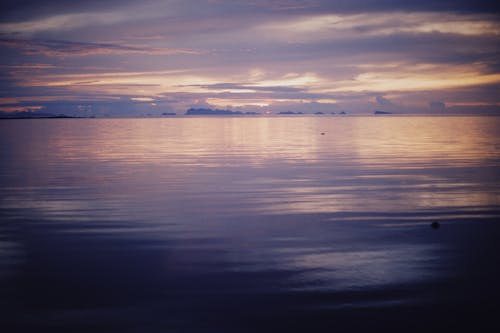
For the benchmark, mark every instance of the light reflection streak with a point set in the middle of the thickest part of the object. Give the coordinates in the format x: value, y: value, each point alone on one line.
x: 264, y: 165
x: 360, y: 269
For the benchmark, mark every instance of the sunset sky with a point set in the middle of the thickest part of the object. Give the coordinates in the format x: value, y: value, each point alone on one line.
x: 147, y: 57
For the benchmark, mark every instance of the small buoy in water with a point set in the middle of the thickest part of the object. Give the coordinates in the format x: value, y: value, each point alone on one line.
x: 435, y: 225
x: 322, y: 133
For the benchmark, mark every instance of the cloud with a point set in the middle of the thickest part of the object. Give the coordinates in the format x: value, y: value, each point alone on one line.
x: 30, y: 17
x: 26, y: 67
x: 58, y: 48
x: 437, y: 106
x: 382, y: 101
x: 120, y: 106
x: 356, y: 6
x: 19, y: 10
x: 423, y: 77
x: 249, y: 87
x: 66, y: 21
x: 320, y: 27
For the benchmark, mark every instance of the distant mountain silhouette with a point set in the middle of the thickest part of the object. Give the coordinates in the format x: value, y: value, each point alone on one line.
x: 31, y: 115
x: 210, y: 112
x: 289, y: 112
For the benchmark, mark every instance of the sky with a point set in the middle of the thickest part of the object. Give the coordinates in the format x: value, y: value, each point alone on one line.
x: 127, y: 58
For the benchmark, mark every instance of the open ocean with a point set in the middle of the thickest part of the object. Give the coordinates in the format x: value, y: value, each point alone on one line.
x: 250, y: 224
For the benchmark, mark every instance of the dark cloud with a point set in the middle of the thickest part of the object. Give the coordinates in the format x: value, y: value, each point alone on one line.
x: 474, y: 109
x: 15, y: 10
x: 58, y: 48
x: 400, y: 47
x: 357, y: 6
x: 487, y: 94
x: 94, y: 107
x: 437, y: 106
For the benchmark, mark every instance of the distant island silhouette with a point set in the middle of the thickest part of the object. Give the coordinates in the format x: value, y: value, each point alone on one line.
x: 381, y: 112
x: 210, y: 112
x: 216, y: 112
x: 290, y: 112
x: 33, y: 115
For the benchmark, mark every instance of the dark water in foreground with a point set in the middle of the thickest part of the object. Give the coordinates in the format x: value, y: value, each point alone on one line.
x: 249, y: 224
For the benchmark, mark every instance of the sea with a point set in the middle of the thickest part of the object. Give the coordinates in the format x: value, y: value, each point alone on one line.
x: 311, y: 223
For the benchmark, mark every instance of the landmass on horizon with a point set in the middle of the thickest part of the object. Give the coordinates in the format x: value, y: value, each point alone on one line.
x: 35, y: 115
x: 189, y: 112
x: 210, y: 112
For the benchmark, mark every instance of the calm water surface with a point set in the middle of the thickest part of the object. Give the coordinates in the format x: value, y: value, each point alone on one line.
x: 235, y: 224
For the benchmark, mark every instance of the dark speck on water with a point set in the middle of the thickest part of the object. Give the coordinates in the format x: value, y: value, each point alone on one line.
x: 250, y: 224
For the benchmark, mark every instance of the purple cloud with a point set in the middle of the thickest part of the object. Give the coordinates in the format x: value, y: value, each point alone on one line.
x: 58, y: 48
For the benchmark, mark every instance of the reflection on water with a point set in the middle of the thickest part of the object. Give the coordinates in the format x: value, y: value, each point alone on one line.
x: 166, y: 222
